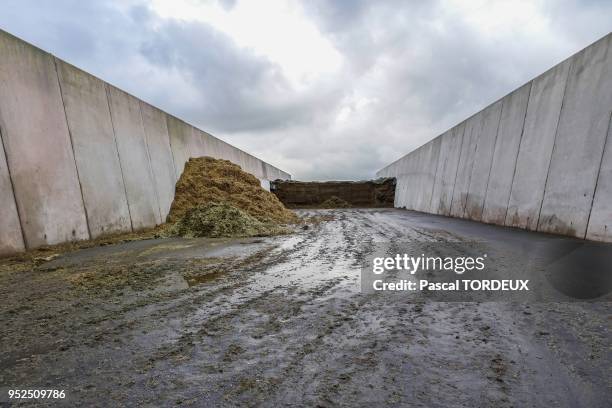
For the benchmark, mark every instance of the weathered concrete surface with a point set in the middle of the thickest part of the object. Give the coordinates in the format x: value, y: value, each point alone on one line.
x: 37, y: 145
x: 212, y: 145
x: 446, y: 170
x: 408, y: 171
x: 428, y: 166
x: 473, y: 127
x: 536, y: 147
x: 11, y: 237
x: 198, y: 143
x: 407, y: 181
x: 135, y: 162
x: 579, y: 144
x: 228, y: 152
x: 160, y: 153
x: 483, y: 158
x: 600, y: 221
x: 181, y: 142
x: 95, y: 150
x: 514, y: 107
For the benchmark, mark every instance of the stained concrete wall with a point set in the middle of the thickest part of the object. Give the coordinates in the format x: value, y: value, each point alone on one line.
x: 134, y: 158
x: 540, y: 127
x: 539, y: 158
x: 95, y: 150
x: 160, y: 154
x: 473, y: 127
x: 579, y: 142
x: 446, y: 172
x: 38, y: 148
x: 11, y: 239
x: 81, y: 158
x: 509, y: 134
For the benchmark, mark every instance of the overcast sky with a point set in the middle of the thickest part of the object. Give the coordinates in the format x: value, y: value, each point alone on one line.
x: 322, y: 89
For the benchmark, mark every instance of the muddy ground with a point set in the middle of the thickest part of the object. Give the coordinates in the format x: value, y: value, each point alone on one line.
x: 281, y: 321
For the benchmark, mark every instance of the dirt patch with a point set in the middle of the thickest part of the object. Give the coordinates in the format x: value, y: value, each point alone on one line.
x: 207, y: 180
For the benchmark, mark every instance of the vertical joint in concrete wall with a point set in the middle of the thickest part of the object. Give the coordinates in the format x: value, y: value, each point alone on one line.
x: 471, y: 171
x: 176, y: 175
x: 484, y: 200
x: 518, y: 150
x: 148, y: 152
x: 456, y: 170
x: 552, y: 153
x: 433, y: 182
x: 598, y: 173
x: 8, y: 167
x: 59, y: 83
x: 110, y: 113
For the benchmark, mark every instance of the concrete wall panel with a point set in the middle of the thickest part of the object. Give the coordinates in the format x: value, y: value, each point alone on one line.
x: 11, y: 237
x: 135, y: 163
x: 160, y: 153
x: 400, y: 191
x: 198, y: 148
x: 408, y: 184
x: 514, y: 107
x: 485, y: 145
x: 427, y: 174
x: 409, y: 170
x: 446, y: 172
x: 212, y: 145
x: 473, y: 127
x: 180, y: 141
x: 417, y: 173
x: 600, y: 221
x: 579, y: 143
x: 95, y: 150
x: 536, y: 147
x: 37, y: 146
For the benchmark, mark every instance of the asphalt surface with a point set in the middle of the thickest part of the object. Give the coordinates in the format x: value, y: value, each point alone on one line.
x: 282, y: 322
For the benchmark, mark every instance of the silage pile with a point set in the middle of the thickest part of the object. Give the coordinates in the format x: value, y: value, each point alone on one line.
x: 334, y: 202
x: 216, y: 198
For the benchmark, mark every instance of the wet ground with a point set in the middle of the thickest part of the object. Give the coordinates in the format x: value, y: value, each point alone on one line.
x: 281, y: 321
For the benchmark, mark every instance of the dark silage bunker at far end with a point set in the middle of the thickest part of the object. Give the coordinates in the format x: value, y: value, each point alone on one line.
x: 379, y: 193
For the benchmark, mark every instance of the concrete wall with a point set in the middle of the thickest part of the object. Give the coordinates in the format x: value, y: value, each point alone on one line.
x: 38, y: 147
x: 81, y: 158
x: 160, y: 153
x: 540, y: 158
x: 134, y: 157
x: 11, y: 239
x: 95, y: 151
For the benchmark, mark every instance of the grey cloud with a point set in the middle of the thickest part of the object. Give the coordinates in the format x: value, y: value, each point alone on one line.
x: 418, y: 69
